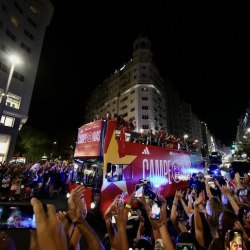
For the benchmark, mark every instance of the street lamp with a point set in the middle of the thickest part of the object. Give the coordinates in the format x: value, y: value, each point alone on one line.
x: 185, y: 143
x: 14, y: 61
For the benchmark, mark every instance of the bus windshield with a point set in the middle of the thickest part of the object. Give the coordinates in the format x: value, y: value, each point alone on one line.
x: 89, y: 172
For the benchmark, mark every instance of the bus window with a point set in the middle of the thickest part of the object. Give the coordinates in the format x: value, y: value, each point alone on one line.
x: 127, y: 174
x: 114, y: 172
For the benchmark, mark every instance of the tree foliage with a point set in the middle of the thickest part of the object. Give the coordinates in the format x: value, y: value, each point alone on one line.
x: 32, y: 143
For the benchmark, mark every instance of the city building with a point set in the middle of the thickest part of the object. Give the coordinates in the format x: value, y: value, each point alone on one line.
x: 243, y: 129
x: 242, y: 143
x: 138, y: 93
x: 22, y: 28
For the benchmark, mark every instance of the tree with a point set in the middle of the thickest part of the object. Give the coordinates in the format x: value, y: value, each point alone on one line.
x: 32, y: 143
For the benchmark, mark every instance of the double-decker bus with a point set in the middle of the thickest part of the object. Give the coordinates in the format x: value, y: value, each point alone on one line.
x: 109, y: 162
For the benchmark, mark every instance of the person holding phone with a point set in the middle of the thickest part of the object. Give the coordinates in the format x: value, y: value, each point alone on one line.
x: 186, y: 241
x: 49, y: 233
x: 117, y: 234
x: 160, y: 232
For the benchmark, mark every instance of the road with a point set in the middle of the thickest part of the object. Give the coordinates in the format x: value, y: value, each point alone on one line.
x: 21, y: 237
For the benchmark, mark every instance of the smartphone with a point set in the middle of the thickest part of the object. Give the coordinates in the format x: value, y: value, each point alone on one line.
x: 242, y: 192
x: 155, y: 211
x: 17, y: 215
x: 184, y: 246
x: 113, y: 219
x: 211, y: 184
x: 138, y: 192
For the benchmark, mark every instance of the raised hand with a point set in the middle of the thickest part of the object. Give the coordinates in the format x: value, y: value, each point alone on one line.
x: 62, y: 216
x: 163, y: 216
x: 111, y: 209
x: 198, y: 200
x: 73, y: 232
x: 49, y: 233
x: 225, y: 190
x: 179, y: 194
x: 77, y: 208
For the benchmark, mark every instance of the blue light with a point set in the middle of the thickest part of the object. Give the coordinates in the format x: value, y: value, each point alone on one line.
x: 158, y: 181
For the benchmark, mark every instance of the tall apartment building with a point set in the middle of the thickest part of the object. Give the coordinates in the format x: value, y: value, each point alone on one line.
x: 243, y: 129
x: 138, y: 92
x: 22, y: 28
x: 135, y: 91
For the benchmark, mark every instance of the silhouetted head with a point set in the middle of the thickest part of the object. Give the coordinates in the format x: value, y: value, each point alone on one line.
x: 144, y: 242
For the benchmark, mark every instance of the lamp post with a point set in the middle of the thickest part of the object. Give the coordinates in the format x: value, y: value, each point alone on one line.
x: 185, y: 142
x: 14, y: 60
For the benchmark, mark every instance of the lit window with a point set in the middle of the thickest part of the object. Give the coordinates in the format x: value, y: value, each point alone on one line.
x: 7, y: 121
x: 34, y: 10
x: 13, y: 101
x: 15, y: 21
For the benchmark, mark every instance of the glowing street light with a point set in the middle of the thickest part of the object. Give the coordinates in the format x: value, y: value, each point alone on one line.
x: 14, y: 60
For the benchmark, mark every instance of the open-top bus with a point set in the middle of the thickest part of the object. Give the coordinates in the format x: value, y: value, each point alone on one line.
x: 110, y: 162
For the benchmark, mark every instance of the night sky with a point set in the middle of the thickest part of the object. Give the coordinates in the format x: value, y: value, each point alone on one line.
x: 203, y: 49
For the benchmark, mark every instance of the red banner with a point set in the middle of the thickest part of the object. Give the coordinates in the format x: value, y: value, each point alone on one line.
x: 89, y: 140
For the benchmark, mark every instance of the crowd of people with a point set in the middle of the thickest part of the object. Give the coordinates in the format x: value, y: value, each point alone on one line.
x: 158, y: 138
x: 209, y: 214
x: 23, y: 181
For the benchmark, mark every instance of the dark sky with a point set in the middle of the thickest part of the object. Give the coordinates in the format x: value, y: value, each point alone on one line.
x: 203, y: 49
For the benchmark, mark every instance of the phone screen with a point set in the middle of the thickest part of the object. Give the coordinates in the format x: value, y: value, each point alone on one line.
x: 243, y: 192
x: 138, y: 192
x: 17, y: 216
x: 113, y: 219
x: 155, y: 211
x: 184, y: 246
x: 211, y: 184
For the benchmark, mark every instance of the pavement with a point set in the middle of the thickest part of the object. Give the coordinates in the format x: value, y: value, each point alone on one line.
x: 21, y: 237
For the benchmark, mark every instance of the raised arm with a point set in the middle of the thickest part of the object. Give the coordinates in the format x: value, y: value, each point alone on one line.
x: 173, y: 214
x: 141, y: 225
x: 121, y: 223
x: 165, y: 236
x: 129, y: 204
x: 208, y: 190
x: 49, y: 233
x: 78, y: 218
x: 226, y: 191
x: 198, y: 222
x: 109, y: 225
x: 188, y: 209
x: 72, y: 232
x: 154, y: 223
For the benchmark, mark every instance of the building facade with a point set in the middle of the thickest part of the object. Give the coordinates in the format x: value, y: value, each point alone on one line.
x: 139, y: 93
x: 22, y: 28
x: 136, y: 91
